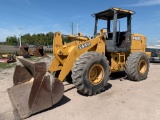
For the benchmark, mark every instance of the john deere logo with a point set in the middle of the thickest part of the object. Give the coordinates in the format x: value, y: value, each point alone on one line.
x: 81, y: 46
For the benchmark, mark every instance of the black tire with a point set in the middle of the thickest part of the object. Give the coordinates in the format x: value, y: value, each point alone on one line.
x: 82, y: 69
x: 137, y: 66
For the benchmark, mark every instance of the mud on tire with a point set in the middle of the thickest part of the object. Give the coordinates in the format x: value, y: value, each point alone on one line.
x: 91, y: 65
x: 137, y: 66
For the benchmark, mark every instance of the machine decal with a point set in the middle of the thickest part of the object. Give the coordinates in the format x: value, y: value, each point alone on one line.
x: 136, y: 38
x: 84, y: 45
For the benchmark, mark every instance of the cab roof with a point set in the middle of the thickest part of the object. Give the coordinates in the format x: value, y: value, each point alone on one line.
x: 108, y: 14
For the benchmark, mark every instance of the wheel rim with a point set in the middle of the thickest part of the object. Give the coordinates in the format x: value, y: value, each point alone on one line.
x: 142, y: 66
x: 96, y: 74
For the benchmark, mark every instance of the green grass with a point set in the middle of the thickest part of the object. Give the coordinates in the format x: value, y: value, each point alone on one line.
x: 34, y: 58
x: 49, y: 53
x: 7, y: 65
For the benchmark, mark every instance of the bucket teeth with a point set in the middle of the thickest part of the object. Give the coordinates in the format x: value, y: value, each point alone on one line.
x: 34, y: 89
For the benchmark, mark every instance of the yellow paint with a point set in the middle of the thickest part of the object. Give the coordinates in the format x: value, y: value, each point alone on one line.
x: 66, y: 55
x: 96, y: 74
x: 142, y: 66
x: 139, y: 44
x: 119, y: 9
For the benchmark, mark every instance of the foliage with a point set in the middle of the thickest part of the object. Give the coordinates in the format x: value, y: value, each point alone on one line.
x: 34, y: 58
x: 7, y: 65
x: 66, y: 40
x: 2, y: 43
x: 36, y: 39
x: 12, y: 40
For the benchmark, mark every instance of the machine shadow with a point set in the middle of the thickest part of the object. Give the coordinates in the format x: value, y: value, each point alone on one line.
x: 118, y: 75
x: 70, y: 89
x: 106, y: 88
x: 63, y: 101
x: 121, y: 76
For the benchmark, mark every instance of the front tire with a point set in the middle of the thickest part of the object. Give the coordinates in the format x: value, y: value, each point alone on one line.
x: 137, y: 66
x: 90, y: 73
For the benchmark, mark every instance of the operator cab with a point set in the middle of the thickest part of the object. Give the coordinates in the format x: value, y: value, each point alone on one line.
x: 116, y: 39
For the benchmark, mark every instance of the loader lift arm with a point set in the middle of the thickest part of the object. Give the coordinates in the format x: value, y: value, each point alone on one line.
x: 66, y: 55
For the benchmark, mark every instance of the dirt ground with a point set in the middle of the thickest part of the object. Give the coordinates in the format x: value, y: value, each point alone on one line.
x: 122, y: 100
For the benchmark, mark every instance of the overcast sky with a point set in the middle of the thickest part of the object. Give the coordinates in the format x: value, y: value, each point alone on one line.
x: 37, y: 16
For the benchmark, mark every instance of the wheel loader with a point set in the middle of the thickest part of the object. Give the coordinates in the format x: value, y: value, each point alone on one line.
x: 88, y: 62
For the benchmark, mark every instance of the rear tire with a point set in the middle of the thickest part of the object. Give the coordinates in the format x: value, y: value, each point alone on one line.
x: 137, y: 66
x: 90, y: 73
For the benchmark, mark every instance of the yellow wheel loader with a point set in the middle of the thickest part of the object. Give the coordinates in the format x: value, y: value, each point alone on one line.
x: 87, y: 62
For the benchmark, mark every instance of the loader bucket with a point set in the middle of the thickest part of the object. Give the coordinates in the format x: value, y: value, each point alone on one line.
x: 39, y: 52
x: 34, y: 89
x: 25, y: 51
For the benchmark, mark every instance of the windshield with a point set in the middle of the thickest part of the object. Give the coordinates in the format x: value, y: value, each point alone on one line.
x: 154, y: 54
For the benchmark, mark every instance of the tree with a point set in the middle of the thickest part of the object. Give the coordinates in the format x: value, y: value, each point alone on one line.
x: 11, y: 40
x: 36, y: 39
